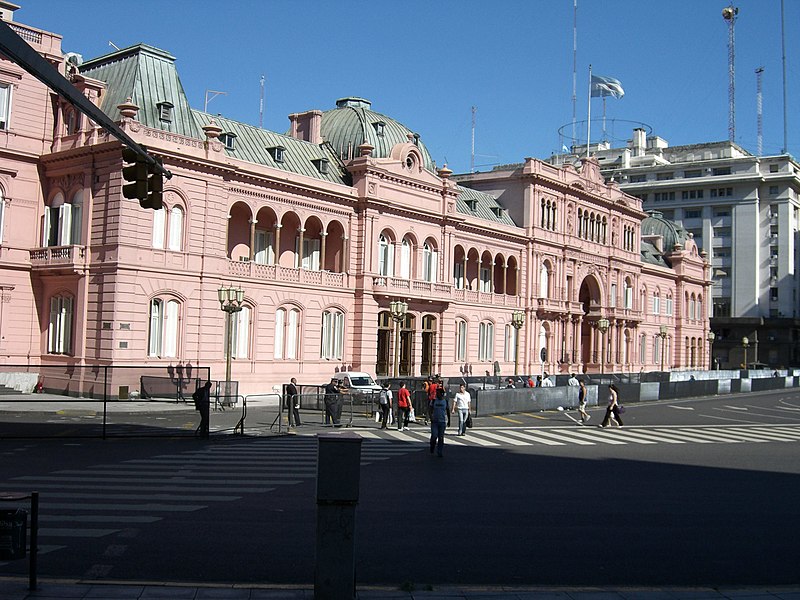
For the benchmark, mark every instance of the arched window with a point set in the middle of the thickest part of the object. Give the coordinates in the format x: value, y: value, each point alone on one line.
x: 2, y: 216
x: 461, y: 340
x: 429, y: 263
x: 544, y: 281
x: 385, y: 257
x: 628, y: 294
x: 63, y: 221
x: 59, y: 332
x: 175, y: 228
x: 332, y: 335
x: 168, y: 234
x: 643, y: 349
x: 486, y: 341
x: 287, y: 333
x: 656, y: 302
x: 164, y: 328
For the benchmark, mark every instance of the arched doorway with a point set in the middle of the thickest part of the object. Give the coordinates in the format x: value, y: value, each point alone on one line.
x: 590, y: 298
x: 428, y: 344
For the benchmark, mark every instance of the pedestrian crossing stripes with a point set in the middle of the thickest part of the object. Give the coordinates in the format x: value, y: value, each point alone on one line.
x: 595, y: 436
x: 104, y: 501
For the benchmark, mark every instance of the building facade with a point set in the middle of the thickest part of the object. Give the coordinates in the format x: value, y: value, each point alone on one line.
x: 327, y: 230
x: 744, y: 211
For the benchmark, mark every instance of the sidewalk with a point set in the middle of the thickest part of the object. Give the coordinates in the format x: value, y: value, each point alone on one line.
x: 17, y: 589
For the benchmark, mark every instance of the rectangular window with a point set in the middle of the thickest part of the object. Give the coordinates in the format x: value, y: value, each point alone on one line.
x: 693, y: 173
x: 264, y: 251
x: 461, y: 341
x: 656, y: 304
x: 773, y: 294
x: 773, y: 190
x: 613, y: 299
x: 485, y: 342
x: 721, y: 171
x: 5, y: 105
x: 637, y: 178
x: 332, y: 335
x: 774, y: 168
x: 59, y: 338
x: 664, y: 176
x: 692, y: 213
x: 485, y: 282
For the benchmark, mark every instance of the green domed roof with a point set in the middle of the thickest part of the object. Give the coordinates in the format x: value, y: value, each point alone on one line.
x: 670, y: 232
x: 352, y: 122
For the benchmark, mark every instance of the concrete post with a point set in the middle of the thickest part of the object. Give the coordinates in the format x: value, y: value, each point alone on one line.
x: 338, y: 474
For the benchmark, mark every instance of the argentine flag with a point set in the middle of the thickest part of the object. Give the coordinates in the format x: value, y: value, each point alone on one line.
x: 606, y: 86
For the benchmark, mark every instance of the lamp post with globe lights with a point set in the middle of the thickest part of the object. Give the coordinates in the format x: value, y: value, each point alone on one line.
x: 711, y: 337
x: 602, y: 325
x: 745, y: 345
x: 398, y: 310
x: 517, y: 321
x: 662, y: 333
x: 230, y: 301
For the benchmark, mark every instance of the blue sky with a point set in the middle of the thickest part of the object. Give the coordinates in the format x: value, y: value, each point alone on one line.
x: 427, y: 62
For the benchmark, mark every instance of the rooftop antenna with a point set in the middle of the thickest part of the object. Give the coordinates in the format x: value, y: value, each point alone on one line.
x: 574, y: 65
x: 785, y: 101
x: 729, y: 14
x: 214, y: 93
x: 261, y: 106
x: 113, y: 45
x: 472, y: 155
x: 759, y: 113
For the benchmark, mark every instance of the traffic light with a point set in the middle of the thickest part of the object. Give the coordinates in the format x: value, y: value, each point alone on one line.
x: 155, y: 187
x: 135, y: 174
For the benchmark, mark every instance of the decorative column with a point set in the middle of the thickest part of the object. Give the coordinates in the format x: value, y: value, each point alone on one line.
x: 277, y: 251
x: 302, y: 232
x: 345, y: 253
x: 323, y: 236
x: 253, y: 239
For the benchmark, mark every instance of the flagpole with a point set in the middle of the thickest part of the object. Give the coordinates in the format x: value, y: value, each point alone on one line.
x: 589, y: 118
x: 604, y: 117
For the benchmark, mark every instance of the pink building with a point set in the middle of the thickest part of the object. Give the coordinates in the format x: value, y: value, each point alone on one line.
x: 323, y: 228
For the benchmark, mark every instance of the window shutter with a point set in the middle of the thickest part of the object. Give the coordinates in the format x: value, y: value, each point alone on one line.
x: 171, y: 329
x: 280, y: 322
x: 175, y: 227
x: 158, y: 228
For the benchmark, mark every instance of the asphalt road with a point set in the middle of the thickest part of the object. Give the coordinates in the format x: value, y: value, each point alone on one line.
x: 698, y: 492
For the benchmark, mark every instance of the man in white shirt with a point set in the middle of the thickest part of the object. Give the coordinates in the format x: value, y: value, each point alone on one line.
x: 462, y: 402
x: 547, y: 382
x: 573, y: 381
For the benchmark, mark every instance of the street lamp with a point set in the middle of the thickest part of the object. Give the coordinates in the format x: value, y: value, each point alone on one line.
x: 745, y: 345
x: 398, y: 310
x: 662, y: 333
x: 517, y: 321
x: 711, y: 337
x: 230, y: 301
x: 602, y: 325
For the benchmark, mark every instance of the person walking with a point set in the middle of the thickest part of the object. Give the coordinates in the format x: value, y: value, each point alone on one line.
x: 403, y: 407
x: 613, y: 407
x: 438, y: 411
x: 202, y: 404
x: 385, y: 403
x: 293, y: 403
x: 462, y: 404
x: 582, y: 392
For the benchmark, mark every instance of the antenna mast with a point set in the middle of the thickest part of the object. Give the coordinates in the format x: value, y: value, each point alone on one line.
x: 574, y: 66
x: 261, y: 106
x: 729, y: 14
x: 759, y: 113
x: 472, y: 156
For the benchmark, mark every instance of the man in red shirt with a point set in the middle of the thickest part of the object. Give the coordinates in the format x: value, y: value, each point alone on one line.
x: 403, y: 407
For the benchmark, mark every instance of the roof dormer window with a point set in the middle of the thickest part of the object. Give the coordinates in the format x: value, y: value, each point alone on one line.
x: 165, y: 111
x: 322, y: 165
x: 277, y: 153
x: 498, y: 211
x: 229, y: 139
x: 472, y: 204
x: 379, y: 126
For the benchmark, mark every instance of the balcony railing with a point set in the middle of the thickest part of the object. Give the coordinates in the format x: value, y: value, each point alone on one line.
x: 280, y: 273
x: 58, y: 258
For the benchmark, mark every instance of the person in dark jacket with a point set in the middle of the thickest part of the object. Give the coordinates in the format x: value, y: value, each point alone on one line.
x: 438, y: 411
x: 293, y: 403
x: 202, y: 404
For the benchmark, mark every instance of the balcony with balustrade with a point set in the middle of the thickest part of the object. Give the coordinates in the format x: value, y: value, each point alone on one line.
x: 58, y: 260
x: 242, y: 269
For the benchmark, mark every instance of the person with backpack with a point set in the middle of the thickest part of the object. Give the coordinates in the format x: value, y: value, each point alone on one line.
x: 385, y: 402
x: 403, y: 407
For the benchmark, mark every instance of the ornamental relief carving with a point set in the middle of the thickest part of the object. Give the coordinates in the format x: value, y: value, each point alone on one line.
x: 67, y: 182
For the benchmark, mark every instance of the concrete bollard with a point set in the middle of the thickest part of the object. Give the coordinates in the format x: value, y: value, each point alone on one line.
x: 338, y: 475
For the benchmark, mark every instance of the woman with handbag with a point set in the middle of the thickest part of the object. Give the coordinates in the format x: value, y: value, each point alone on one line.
x: 613, y: 407
x: 462, y: 402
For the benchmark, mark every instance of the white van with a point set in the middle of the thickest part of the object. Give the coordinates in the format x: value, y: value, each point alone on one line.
x: 358, y: 382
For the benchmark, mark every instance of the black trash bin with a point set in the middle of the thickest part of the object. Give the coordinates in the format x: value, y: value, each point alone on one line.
x: 13, y: 531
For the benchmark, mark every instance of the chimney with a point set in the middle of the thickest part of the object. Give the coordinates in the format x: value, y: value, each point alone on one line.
x: 639, y: 141
x: 7, y: 11
x: 306, y: 126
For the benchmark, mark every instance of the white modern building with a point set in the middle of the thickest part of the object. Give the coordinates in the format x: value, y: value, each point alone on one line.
x: 743, y: 211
